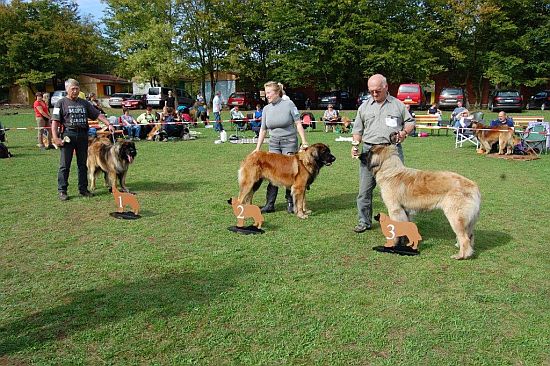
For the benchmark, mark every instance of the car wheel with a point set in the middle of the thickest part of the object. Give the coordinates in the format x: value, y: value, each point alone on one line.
x: 340, y: 106
x: 491, y: 108
x: 543, y: 107
x: 527, y: 107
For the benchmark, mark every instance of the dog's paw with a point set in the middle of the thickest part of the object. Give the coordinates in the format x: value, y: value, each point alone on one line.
x: 302, y: 215
x: 457, y: 257
x: 307, y: 212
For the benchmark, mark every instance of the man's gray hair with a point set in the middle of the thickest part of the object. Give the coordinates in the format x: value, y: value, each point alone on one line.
x: 71, y: 82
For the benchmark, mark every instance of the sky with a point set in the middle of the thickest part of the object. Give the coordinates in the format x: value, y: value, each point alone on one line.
x: 91, y: 7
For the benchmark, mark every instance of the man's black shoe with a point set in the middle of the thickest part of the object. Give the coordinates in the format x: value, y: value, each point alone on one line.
x: 360, y: 228
x: 290, y: 208
x: 86, y: 194
x: 267, y: 209
x: 63, y: 196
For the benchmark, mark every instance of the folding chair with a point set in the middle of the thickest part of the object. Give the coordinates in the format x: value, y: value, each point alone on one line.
x: 535, y: 138
x: 465, y: 134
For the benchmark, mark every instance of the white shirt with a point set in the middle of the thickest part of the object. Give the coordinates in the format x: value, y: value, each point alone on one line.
x: 217, y: 104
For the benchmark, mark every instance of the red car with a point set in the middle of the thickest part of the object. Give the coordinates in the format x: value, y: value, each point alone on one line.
x: 246, y: 100
x: 136, y: 101
x: 412, y: 94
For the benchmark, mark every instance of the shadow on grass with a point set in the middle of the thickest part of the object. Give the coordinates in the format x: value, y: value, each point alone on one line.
x: 342, y: 201
x: 169, y: 295
x: 435, y: 225
x: 184, y: 186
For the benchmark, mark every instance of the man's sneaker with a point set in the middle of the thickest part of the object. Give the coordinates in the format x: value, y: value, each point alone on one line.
x: 360, y: 228
x: 86, y: 194
x: 63, y: 196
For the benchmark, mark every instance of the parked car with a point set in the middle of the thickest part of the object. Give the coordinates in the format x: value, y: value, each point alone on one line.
x: 540, y: 100
x: 56, y: 95
x: 156, y: 95
x: 412, y: 94
x: 184, y: 98
x: 136, y: 101
x: 363, y: 97
x: 449, y: 98
x: 505, y: 100
x: 246, y: 100
x: 299, y: 98
x: 340, y: 99
x: 116, y: 100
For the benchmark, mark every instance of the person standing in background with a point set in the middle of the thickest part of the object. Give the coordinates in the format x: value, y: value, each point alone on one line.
x: 217, y: 104
x: 42, y: 121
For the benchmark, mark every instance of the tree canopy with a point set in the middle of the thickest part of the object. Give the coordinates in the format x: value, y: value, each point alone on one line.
x: 326, y: 43
x: 41, y: 40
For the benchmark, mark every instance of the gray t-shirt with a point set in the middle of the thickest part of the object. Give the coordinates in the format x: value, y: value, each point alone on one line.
x: 74, y: 113
x: 375, y: 122
x: 280, y: 118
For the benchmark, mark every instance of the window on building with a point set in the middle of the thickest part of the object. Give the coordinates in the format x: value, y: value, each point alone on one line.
x: 108, y: 89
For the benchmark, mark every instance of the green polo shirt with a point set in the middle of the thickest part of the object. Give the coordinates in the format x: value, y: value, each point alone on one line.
x: 375, y: 122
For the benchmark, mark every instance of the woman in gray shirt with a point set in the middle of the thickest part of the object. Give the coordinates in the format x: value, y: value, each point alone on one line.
x: 282, y: 119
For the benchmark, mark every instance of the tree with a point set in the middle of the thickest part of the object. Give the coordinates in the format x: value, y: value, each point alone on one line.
x: 144, y: 33
x: 204, y: 38
x: 44, y: 40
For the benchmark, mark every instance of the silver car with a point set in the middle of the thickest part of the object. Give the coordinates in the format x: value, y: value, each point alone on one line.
x: 115, y: 101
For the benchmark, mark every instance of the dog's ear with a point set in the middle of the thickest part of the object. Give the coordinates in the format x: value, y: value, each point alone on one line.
x: 377, y: 217
x: 230, y: 201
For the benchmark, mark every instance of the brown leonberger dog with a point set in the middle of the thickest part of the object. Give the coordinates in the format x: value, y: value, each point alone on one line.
x: 111, y: 159
x: 487, y: 136
x: 295, y: 172
x: 405, y: 190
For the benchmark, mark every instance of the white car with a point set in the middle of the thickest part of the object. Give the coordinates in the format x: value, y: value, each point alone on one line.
x: 56, y: 95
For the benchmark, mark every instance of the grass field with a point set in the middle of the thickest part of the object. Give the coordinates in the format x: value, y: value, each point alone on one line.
x: 176, y: 287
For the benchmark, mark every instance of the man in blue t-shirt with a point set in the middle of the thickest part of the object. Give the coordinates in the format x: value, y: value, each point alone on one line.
x: 502, y: 120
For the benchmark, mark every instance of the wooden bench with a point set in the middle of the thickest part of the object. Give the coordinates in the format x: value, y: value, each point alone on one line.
x: 104, y: 133
x: 429, y: 122
x: 523, y: 121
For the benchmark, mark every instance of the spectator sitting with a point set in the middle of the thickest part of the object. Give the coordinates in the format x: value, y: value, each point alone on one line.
x: 185, y: 115
x: 147, y: 120
x: 434, y: 110
x: 331, y: 118
x: 256, y: 123
x: 237, y: 117
x: 168, y: 123
x: 92, y: 98
x: 130, y: 125
x: 455, y: 115
x: 463, y: 119
x: 502, y: 120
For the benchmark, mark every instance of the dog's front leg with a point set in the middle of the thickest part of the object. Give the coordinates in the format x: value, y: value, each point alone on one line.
x: 299, y: 197
x: 91, y: 178
x: 122, y: 180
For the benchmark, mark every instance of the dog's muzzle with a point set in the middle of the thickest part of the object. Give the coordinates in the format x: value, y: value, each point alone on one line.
x: 329, y: 161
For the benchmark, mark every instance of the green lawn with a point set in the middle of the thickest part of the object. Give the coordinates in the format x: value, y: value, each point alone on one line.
x: 176, y: 287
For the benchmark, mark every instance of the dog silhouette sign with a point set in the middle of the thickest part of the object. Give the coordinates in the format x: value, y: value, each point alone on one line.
x: 393, y: 230
x: 243, y: 212
x: 123, y: 199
